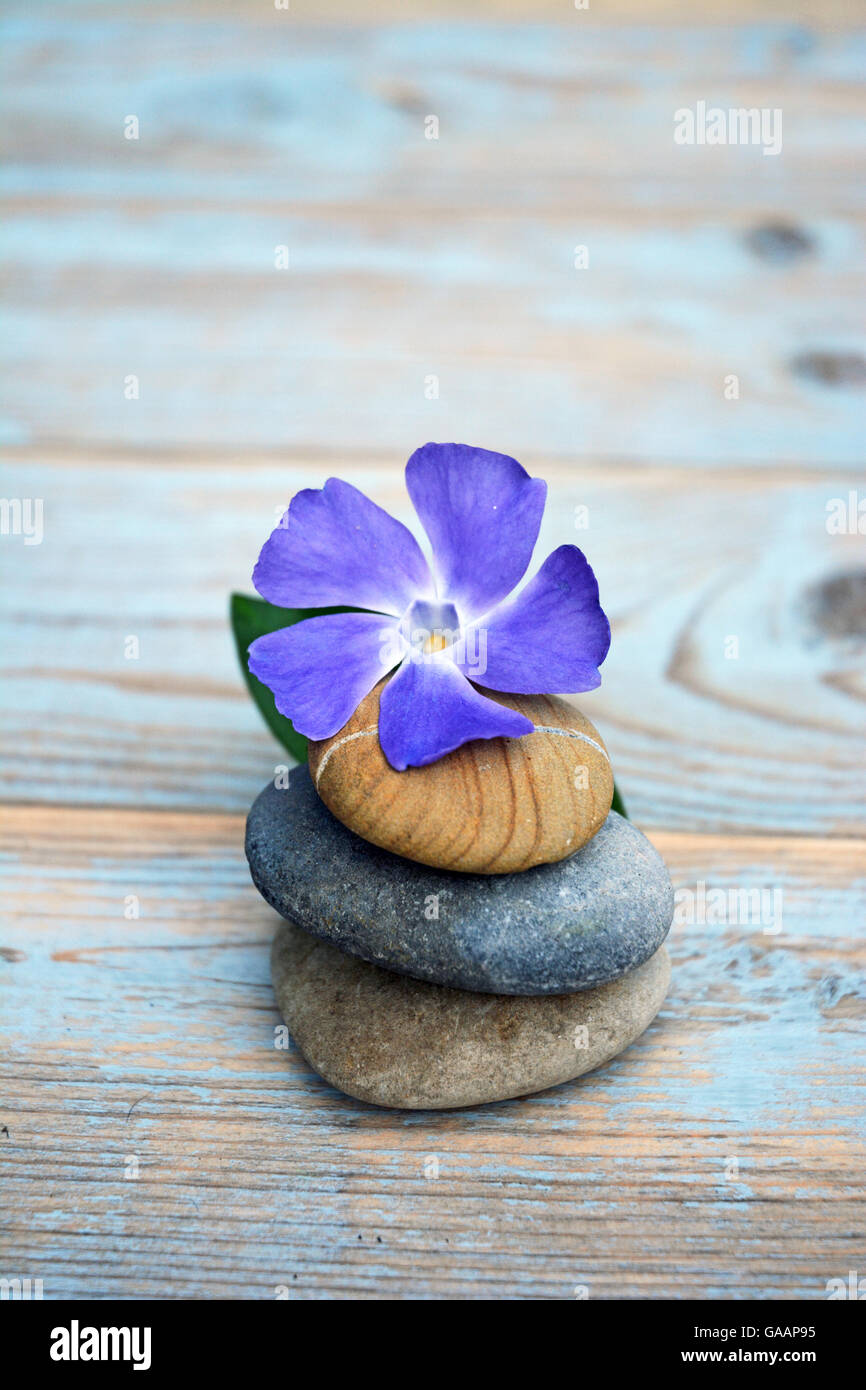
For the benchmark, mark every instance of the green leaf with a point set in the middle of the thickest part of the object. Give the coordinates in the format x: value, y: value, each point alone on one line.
x: 618, y: 804
x: 252, y: 618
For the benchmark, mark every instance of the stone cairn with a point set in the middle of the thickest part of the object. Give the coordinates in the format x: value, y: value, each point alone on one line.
x: 477, y: 929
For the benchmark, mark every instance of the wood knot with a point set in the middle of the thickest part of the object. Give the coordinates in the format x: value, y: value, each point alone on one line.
x: 831, y: 368
x: 780, y: 243
x: 836, y: 607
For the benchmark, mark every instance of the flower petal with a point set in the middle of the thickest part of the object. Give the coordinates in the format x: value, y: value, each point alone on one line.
x: 321, y: 669
x: 428, y: 709
x: 334, y: 546
x: 482, y: 512
x: 551, y: 637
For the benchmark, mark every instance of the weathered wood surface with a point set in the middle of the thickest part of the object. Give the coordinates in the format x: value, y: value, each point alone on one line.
x: 411, y: 258
x: 770, y: 739
x: 719, y: 1157
x: 722, y: 1156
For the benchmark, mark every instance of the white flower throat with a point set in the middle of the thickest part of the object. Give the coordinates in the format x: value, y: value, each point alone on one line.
x: 429, y: 626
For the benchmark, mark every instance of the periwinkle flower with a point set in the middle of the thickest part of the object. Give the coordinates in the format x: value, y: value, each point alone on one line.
x: 441, y: 628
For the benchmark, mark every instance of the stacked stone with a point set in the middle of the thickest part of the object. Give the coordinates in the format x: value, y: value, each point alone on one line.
x: 480, y: 928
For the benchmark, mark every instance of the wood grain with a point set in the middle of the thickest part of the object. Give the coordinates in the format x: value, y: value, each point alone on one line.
x: 718, y: 1157
x: 494, y: 806
x: 762, y: 734
x: 153, y: 1140
x: 431, y: 288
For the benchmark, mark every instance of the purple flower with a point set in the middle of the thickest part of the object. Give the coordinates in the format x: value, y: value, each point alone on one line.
x: 440, y: 628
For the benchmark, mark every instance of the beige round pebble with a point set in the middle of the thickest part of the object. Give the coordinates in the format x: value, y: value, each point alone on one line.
x: 397, y: 1042
x: 494, y: 806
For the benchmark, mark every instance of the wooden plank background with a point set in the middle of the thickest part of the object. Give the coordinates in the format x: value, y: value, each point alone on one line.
x: 153, y: 1141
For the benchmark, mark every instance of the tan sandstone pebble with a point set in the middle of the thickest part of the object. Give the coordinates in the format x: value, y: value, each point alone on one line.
x: 494, y: 806
x: 397, y: 1042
